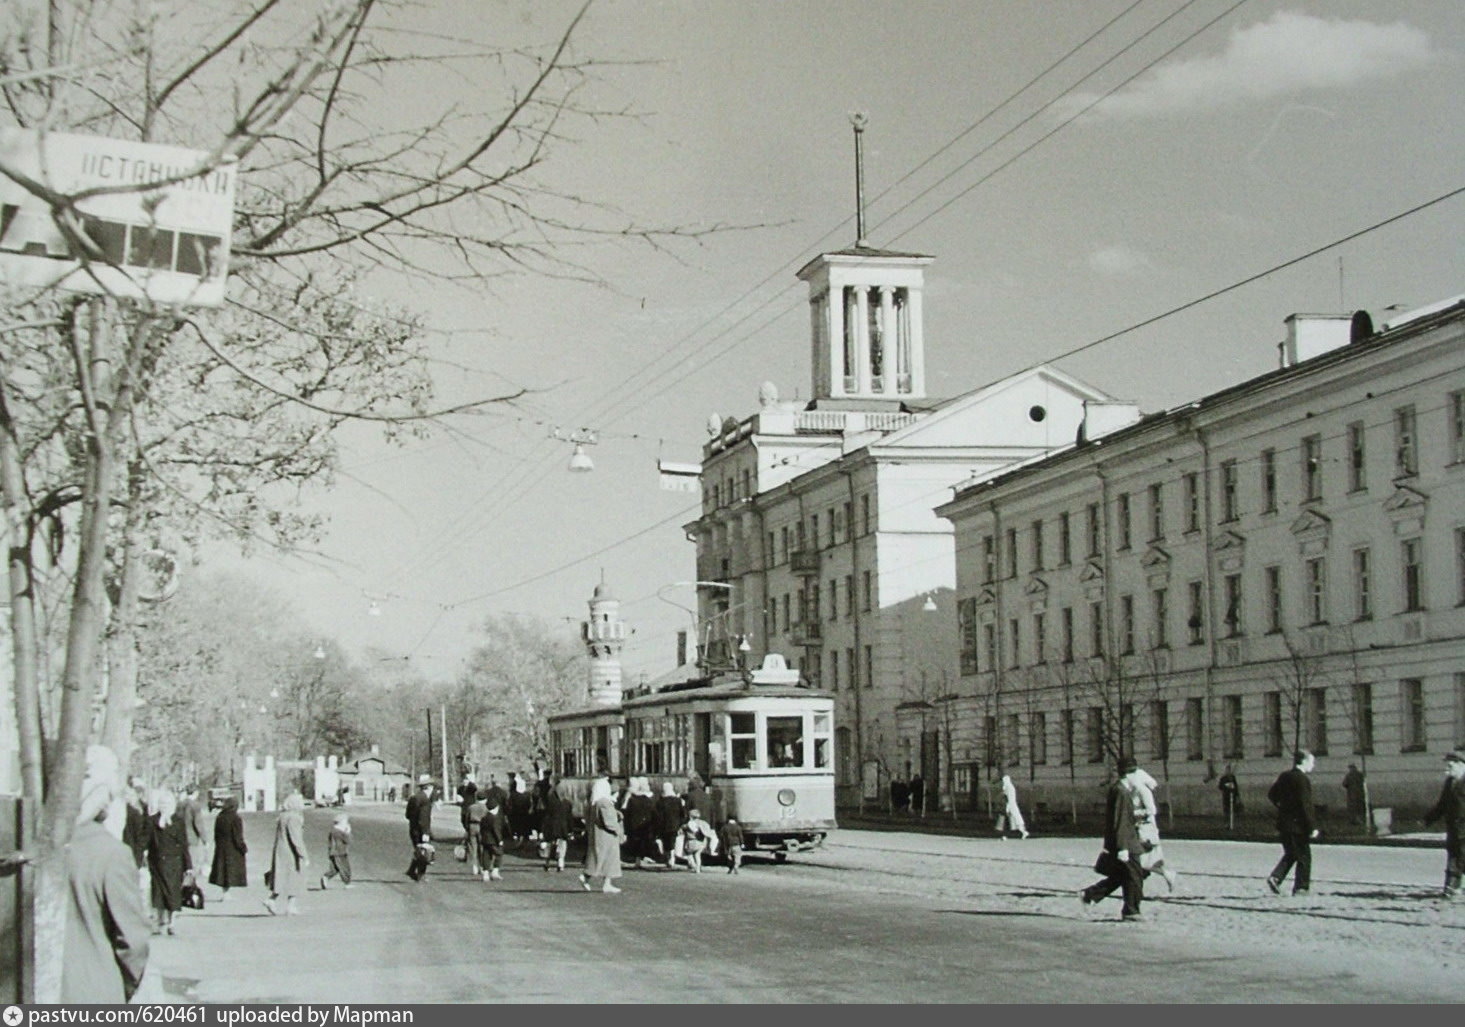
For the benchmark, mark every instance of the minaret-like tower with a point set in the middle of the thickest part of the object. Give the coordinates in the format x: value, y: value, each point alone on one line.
x: 605, y: 637
x: 865, y: 312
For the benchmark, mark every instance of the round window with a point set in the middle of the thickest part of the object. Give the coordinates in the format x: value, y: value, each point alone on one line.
x: 1037, y: 413
x: 786, y: 796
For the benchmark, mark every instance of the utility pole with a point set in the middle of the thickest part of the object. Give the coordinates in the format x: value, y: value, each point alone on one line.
x: 427, y: 762
x: 443, y: 736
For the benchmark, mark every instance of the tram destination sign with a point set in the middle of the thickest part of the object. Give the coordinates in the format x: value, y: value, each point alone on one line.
x: 168, y: 244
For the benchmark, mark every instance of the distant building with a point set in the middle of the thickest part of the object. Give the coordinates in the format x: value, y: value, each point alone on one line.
x: 373, y: 778
x: 1278, y: 564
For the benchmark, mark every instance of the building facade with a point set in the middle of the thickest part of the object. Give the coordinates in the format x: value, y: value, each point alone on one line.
x: 1278, y: 565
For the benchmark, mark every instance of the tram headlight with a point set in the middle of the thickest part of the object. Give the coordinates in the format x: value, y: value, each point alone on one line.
x: 786, y: 796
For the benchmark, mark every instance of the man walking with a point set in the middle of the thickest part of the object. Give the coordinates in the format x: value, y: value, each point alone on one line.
x: 1119, y: 862
x: 1353, y: 790
x: 1291, y: 793
x: 419, y: 827
x: 1230, y: 796
x: 1451, y: 809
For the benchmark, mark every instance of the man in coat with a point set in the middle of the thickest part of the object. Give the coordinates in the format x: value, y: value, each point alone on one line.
x: 1354, y: 792
x: 419, y: 826
x: 1291, y: 793
x: 195, y: 821
x: 1451, y: 809
x: 1119, y: 860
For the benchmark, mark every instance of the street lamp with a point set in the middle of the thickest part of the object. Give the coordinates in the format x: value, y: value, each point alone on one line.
x: 929, y: 606
x: 580, y: 461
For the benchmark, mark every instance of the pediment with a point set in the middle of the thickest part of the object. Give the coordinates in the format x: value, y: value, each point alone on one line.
x: 1311, y: 522
x: 1406, y: 500
x: 1092, y: 572
x: 1036, y: 588
x: 1155, y: 559
x: 1229, y: 542
x: 986, y: 597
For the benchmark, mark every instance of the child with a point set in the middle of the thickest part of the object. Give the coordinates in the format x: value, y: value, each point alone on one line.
x: 339, y: 848
x: 732, y: 843
x: 493, y: 831
x: 696, y: 833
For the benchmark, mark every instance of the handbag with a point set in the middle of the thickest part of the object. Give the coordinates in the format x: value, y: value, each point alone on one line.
x: 425, y: 852
x: 460, y: 853
x: 1108, y: 864
x: 192, y: 894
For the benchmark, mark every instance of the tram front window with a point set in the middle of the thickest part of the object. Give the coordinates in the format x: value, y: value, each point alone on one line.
x: 743, y: 734
x: 786, y: 741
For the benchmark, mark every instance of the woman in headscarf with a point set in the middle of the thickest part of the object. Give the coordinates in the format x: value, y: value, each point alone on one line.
x: 555, y: 826
x: 106, y: 947
x: 669, y: 817
x: 641, y: 823
x: 289, y: 859
x: 603, y: 836
x: 229, y: 869
x: 168, y: 858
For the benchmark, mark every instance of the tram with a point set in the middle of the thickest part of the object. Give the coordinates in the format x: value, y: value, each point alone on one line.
x: 762, y: 742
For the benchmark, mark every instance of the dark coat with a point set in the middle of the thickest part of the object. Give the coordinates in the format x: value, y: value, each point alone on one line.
x: 556, y: 817
x: 230, y: 868
x: 640, y: 815
x: 1291, y: 793
x: 168, y: 859
x: 339, y: 842
x: 419, y: 816
x: 135, y: 834
x: 107, y: 929
x: 494, y: 831
x: 1451, y: 809
x: 669, y: 815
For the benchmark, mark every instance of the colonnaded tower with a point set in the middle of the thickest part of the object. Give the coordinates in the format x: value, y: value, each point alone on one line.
x: 605, y: 636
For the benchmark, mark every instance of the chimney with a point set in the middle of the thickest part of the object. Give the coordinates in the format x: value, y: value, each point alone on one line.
x: 376, y: 750
x: 681, y: 648
x: 1312, y: 335
x: 1100, y: 417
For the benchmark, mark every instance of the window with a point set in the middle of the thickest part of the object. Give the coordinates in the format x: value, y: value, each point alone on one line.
x: 1160, y: 729
x: 1316, y: 705
x: 989, y: 645
x: 1362, y: 585
x: 1094, y: 733
x: 742, y: 730
x: 784, y: 737
x: 1191, y: 484
x: 994, y: 744
x: 1317, y: 591
x: 1195, y: 729
x: 1038, y: 739
x: 829, y: 522
x: 1037, y: 530
x: 1412, y: 736
x: 1456, y: 407
x: 1231, y: 583
x: 1066, y: 732
x: 849, y: 519
x: 989, y: 559
x: 1272, y: 722
x: 1411, y: 557
x: 823, y: 749
x: 1014, y: 639
x: 1363, y: 719
x: 834, y: 599
x: 1312, y: 468
x: 1269, y: 481
x: 783, y: 538
x: 1234, y: 725
x: 1274, y: 599
x: 1096, y: 629
x: 1065, y: 541
x: 787, y: 606
x: 849, y: 595
x: 1040, y: 638
x: 1065, y: 621
x: 1195, y: 618
x: 1012, y: 736
x: 1157, y: 512
x: 815, y: 669
x: 811, y: 612
x: 869, y: 666
x: 1121, y: 521
x: 1357, y: 464
x: 1126, y: 729
x: 1230, y: 500
x: 1406, y: 456
x: 833, y: 661
x: 1160, y: 609
x: 1126, y: 625
x: 851, y: 672
x: 772, y: 554
x: 865, y: 514
x: 867, y: 589
x: 1095, y: 534
x: 1010, y: 552
x: 966, y: 626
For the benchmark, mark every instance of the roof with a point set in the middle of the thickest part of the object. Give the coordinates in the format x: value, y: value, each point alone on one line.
x: 354, y: 766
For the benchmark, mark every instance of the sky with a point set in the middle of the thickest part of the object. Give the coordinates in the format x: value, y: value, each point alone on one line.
x: 1078, y: 170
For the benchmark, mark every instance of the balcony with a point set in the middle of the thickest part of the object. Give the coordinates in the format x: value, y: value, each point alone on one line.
x: 804, y: 562
x: 808, y: 633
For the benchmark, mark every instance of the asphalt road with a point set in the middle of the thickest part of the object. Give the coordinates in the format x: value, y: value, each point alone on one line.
x: 872, y: 918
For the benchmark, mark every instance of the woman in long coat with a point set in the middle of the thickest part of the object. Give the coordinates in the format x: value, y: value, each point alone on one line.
x: 603, y: 836
x: 289, y: 858
x: 229, y: 869
x: 168, y: 858
x: 640, y: 821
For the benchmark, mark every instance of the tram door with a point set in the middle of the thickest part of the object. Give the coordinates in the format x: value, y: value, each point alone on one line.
x: 701, y: 740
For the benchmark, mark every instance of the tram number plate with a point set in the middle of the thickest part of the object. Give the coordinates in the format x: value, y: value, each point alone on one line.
x: 788, y: 813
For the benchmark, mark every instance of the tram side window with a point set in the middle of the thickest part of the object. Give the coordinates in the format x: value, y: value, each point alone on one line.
x: 823, y: 744
x: 743, y: 736
x: 786, y: 741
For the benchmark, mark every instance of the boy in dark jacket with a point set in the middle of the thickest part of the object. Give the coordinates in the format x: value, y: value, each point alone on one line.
x: 732, y: 844
x: 493, y: 831
x: 339, y: 849
x: 1451, y: 809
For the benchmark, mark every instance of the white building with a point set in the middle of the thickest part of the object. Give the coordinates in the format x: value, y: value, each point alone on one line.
x: 1280, y: 564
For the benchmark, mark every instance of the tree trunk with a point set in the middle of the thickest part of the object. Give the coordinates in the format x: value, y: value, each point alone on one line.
x: 121, y: 705
x: 21, y: 589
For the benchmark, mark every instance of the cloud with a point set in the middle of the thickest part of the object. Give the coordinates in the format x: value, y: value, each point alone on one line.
x: 1120, y: 262
x: 1289, y: 53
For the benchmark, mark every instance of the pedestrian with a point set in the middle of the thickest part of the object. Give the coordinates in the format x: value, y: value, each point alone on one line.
x: 1230, y: 797
x: 555, y: 827
x: 1291, y: 793
x: 473, y: 817
x: 493, y: 832
x: 900, y: 796
x: 641, y: 823
x: 496, y: 794
x: 1141, y: 787
x: 732, y: 844
x: 106, y: 941
x: 603, y: 835
x: 1353, y: 791
x: 338, y: 851
x: 289, y: 857
x: 195, y: 819
x: 168, y: 858
x: 1119, y: 859
x: 918, y: 796
x: 518, y: 810
x: 697, y: 834
x: 135, y: 833
x: 1451, y: 809
x: 229, y: 869
x: 695, y: 797
x: 419, y: 827
x: 670, y: 813
x: 1011, y: 819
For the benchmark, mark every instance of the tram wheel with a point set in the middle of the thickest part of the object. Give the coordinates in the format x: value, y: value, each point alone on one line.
x: 781, y: 856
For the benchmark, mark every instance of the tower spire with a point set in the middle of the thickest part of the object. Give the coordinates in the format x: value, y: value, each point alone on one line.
x: 859, y: 119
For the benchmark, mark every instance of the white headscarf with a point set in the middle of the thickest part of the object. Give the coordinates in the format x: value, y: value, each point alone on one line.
x: 599, y: 789
x: 102, y: 785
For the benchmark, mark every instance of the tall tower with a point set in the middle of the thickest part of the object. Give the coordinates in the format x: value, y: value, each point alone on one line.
x: 605, y: 636
x: 865, y: 312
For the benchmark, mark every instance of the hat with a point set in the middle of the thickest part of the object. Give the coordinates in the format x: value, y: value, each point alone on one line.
x: 1126, y: 765
x: 424, y: 779
x: 1453, y: 756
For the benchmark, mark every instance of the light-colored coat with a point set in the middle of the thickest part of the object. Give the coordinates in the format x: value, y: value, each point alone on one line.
x: 604, y: 835
x: 106, y: 926
x: 289, y: 857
